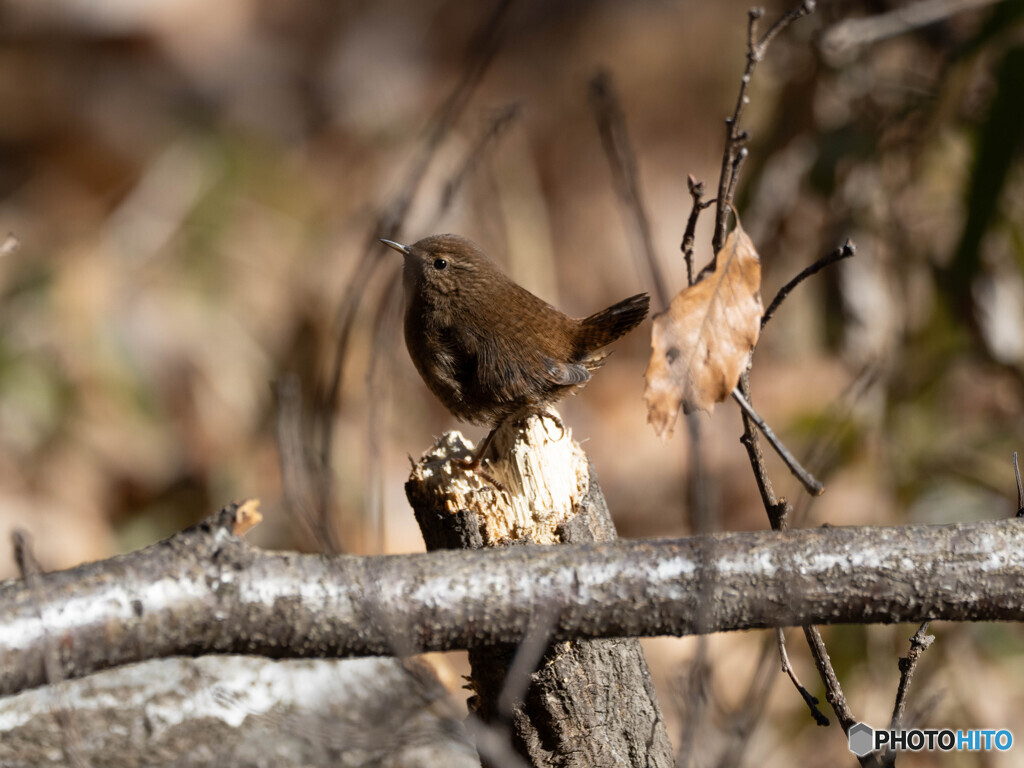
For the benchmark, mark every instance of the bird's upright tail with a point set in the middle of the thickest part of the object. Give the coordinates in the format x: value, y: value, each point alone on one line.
x: 606, y: 326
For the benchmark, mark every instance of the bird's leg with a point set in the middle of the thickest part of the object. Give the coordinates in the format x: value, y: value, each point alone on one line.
x: 473, y: 463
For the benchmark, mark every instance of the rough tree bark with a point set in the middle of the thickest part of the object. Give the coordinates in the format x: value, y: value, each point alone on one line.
x: 205, y: 590
x: 223, y: 711
x: 579, y: 703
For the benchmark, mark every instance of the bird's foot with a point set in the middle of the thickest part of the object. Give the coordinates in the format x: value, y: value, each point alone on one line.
x: 473, y: 464
x: 551, y: 415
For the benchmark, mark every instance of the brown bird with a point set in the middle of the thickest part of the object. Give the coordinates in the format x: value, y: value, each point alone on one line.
x: 488, y: 348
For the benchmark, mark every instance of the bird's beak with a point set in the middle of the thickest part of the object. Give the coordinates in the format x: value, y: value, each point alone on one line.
x: 403, y: 249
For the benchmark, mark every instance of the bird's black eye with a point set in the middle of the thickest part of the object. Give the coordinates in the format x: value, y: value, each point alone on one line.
x: 440, y: 264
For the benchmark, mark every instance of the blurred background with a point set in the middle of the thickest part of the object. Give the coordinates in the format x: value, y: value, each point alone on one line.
x: 194, y: 311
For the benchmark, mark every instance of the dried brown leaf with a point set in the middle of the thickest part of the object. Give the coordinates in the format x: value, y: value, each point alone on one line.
x: 701, y: 344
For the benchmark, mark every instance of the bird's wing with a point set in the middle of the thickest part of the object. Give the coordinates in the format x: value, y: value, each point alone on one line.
x: 502, y: 372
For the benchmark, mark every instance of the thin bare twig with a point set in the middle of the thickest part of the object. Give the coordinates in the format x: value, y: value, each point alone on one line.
x: 734, y: 154
x: 919, y: 643
x: 811, y: 701
x: 773, y: 508
x: 734, y: 168
x: 618, y: 149
x: 696, y: 189
x: 732, y: 157
x: 813, y: 486
x: 833, y: 690
x: 1020, y: 487
x: 845, y: 251
x: 777, y: 509
x: 778, y: 514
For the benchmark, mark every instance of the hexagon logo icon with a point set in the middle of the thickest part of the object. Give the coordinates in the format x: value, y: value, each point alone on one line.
x: 861, y: 736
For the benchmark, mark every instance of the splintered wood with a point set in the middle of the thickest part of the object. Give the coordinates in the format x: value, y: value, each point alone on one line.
x: 544, y: 471
x: 551, y: 498
x: 247, y: 517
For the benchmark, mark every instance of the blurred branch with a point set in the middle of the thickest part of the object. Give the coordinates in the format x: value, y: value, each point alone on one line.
x: 387, y: 225
x: 611, y: 124
x: 846, y: 36
x: 296, y: 480
x: 499, y: 123
x: 217, y: 712
x: 206, y: 591
x: 755, y: 703
x: 387, y: 329
x: 696, y: 696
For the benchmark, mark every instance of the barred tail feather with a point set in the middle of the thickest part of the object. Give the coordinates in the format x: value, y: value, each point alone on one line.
x: 606, y: 326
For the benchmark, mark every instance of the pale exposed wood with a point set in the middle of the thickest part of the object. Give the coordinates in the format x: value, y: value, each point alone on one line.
x: 543, y: 469
x: 585, y: 703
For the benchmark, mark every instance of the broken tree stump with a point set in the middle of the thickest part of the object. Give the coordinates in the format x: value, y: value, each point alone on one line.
x: 583, y: 703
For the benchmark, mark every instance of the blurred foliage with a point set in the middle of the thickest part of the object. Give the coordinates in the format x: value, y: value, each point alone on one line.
x: 193, y: 185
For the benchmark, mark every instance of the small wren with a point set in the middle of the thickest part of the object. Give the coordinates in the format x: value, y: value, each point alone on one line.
x: 488, y: 348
